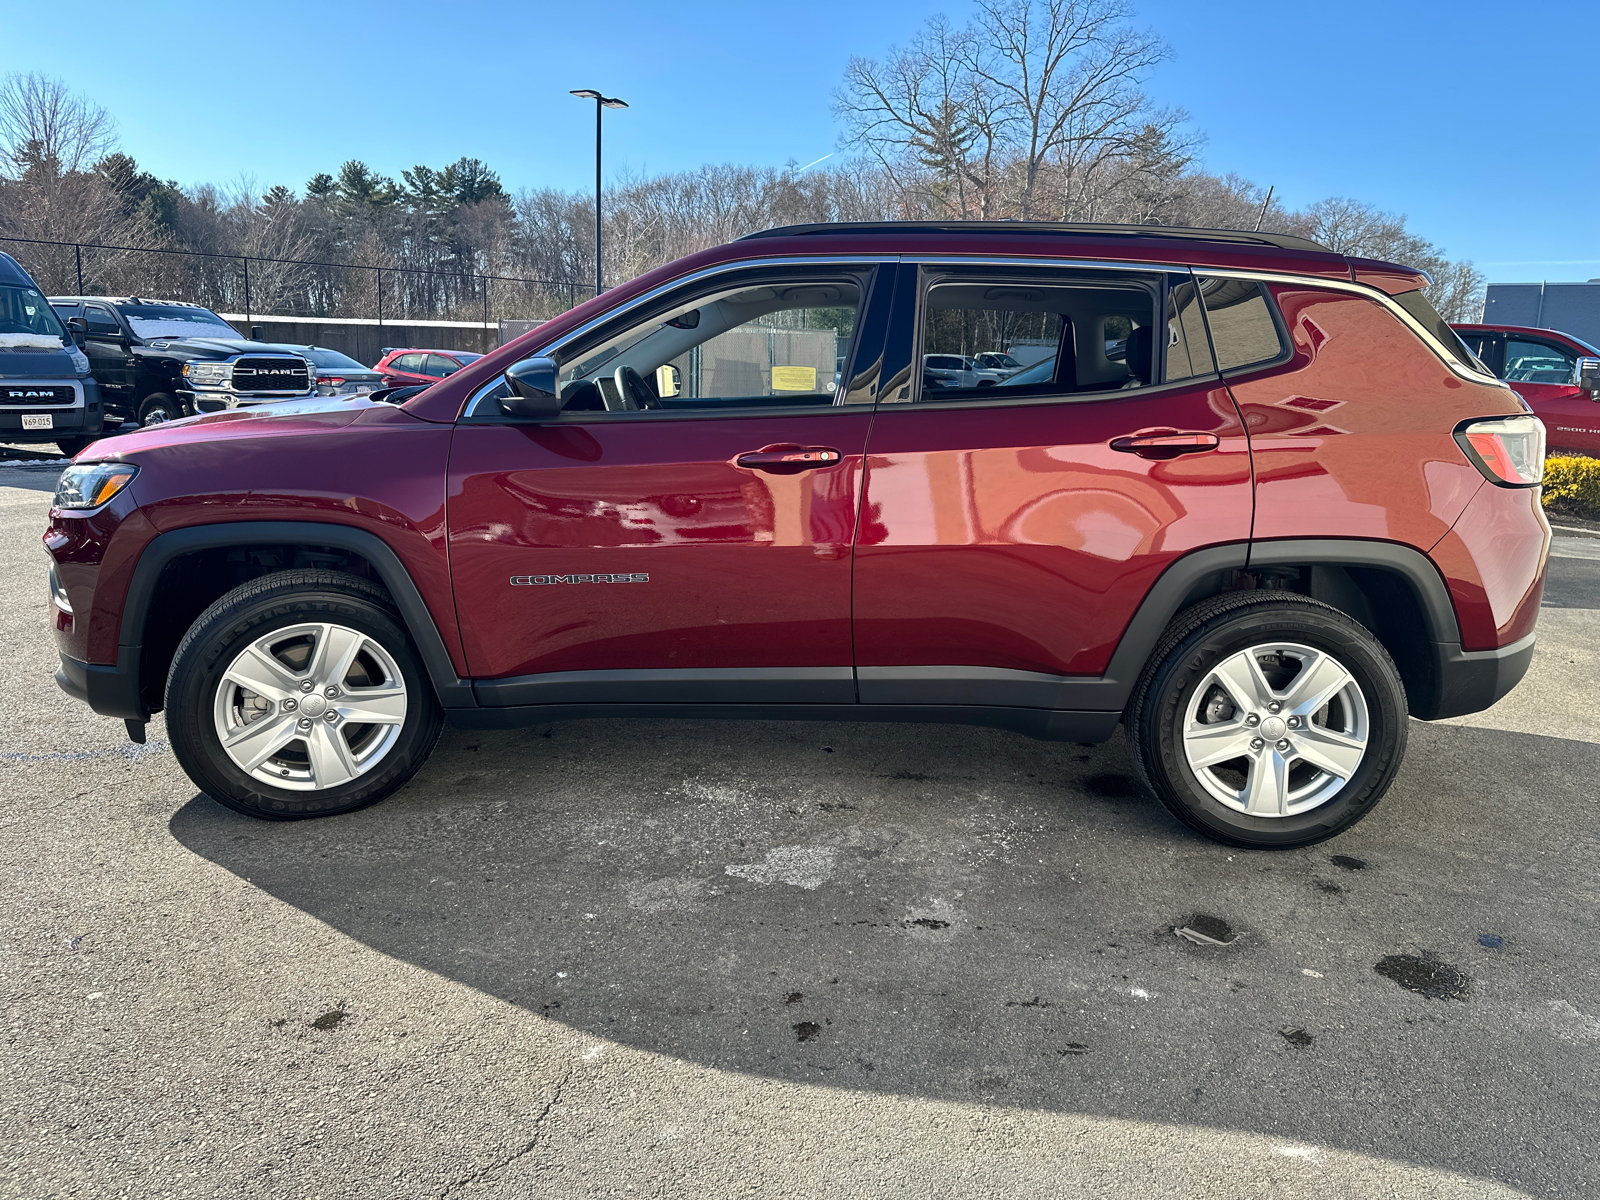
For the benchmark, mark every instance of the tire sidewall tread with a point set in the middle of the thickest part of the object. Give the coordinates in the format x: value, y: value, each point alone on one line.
x: 1210, y: 631
x: 279, y: 600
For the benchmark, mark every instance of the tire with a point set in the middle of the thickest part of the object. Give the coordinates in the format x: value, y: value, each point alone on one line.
x: 270, y: 632
x: 1199, y: 697
x: 158, y: 409
x: 73, y: 446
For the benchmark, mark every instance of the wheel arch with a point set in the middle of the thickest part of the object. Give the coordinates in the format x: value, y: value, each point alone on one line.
x: 146, y: 642
x: 1394, y: 590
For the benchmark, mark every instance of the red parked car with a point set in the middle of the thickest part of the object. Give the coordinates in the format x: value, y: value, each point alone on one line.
x: 404, y: 368
x: 1556, y: 373
x: 1257, y: 505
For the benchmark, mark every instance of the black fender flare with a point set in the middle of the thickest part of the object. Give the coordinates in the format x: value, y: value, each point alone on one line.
x: 453, y: 691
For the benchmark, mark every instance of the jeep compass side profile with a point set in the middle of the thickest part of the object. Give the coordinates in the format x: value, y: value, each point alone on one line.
x: 1253, y: 501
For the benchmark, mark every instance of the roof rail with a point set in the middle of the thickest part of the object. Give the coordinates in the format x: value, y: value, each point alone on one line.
x: 1283, y: 241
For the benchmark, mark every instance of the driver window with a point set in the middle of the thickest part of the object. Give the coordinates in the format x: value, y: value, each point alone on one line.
x: 759, y: 345
x: 100, y: 320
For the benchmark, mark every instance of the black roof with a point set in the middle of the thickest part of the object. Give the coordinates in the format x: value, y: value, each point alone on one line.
x: 1283, y: 241
x: 11, y: 272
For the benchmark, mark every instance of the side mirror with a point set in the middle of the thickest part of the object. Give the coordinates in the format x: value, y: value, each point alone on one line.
x: 1588, y: 376
x: 533, y: 385
x: 669, y: 381
x: 79, y: 329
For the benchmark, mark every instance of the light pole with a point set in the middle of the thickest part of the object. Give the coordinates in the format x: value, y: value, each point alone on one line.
x: 600, y: 102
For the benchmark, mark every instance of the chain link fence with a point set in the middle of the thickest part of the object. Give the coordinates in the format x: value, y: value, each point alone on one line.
x: 267, y: 287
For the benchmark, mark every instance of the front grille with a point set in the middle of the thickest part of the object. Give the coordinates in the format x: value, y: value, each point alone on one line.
x: 270, y: 375
x: 29, y: 396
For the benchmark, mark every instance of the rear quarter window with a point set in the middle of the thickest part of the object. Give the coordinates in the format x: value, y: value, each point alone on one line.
x: 1244, y: 329
x: 1421, y: 308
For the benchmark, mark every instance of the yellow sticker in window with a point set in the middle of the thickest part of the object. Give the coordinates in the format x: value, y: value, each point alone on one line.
x: 794, y: 379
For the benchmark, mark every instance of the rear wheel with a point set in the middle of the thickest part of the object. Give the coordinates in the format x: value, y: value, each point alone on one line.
x: 1268, y: 720
x: 159, y: 409
x: 300, y: 694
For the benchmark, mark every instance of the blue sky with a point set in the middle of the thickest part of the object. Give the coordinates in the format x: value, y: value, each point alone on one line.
x: 1475, y: 120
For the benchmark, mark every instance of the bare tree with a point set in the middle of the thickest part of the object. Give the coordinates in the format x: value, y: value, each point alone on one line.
x: 927, y: 119
x: 1068, y: 73
x: 1352, y: 227
x: 43, y: 125
x: 1028, y: 82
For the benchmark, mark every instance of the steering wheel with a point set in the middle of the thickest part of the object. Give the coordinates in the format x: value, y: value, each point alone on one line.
x: 635, y: 392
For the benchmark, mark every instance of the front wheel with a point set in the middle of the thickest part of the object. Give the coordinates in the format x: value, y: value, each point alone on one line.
x: 159, y: 409
x: 1268, y: 720
x: 300, y: 694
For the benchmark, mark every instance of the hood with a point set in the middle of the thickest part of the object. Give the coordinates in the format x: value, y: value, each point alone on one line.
x: 219, y: 345
x: 318, y: 414
x: 36, y: 362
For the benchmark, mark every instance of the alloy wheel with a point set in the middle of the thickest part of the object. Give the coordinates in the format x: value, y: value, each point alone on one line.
x: 1276, y: 730
x: 310, y: 707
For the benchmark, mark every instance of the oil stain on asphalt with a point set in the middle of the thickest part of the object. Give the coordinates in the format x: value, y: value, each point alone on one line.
x: 1425, y: 974
x: 330, y: 1019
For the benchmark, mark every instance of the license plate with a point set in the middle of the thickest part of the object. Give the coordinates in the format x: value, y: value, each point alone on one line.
x: 363, y: 388
x: 38, y: 421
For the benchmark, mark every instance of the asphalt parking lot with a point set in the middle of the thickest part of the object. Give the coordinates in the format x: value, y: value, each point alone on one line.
x: 699, y: 959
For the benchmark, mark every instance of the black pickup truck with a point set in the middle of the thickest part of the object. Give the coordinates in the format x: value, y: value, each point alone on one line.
x: 158, y: 360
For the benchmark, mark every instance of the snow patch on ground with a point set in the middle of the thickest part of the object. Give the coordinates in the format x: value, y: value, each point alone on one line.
x: 806, y: 867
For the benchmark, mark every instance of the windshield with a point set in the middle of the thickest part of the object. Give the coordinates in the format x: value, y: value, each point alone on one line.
x: 24, y: 312
x: 331, y: 358
x: 175, y: 321
x: 1428, y: 317
x: 464, y: 356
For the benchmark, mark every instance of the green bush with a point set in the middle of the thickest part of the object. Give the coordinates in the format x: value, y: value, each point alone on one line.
x: 1572, y: 487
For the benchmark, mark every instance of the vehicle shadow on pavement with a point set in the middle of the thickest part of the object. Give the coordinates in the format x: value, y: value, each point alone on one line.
x: 964, y: 914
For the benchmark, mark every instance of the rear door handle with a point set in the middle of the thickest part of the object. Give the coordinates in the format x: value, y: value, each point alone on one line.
x: 1165, y: 443
x: 788, y: 457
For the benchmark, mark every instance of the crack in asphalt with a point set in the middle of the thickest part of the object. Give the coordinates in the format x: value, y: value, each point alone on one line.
x: 538, y: 1121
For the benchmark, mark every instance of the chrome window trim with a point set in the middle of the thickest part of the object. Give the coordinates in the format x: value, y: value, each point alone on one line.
x: 1370, y: 293
x: 549, y: 349
x: 75, y: 384
x: 1054, y: 260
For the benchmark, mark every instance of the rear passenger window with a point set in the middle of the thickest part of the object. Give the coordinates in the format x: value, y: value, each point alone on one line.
x: 1067, y: 332
x: 1244, y: 332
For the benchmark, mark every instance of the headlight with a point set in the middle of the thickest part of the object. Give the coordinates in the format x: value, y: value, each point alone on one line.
x: 80, y: 360
x: 208, y: 374
x: 91, y: 484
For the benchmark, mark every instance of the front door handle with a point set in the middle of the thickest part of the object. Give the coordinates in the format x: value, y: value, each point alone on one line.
x: 1165, y: 443
x: 785, y: 458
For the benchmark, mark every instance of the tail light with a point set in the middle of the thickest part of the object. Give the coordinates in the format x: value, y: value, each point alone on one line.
x: 1508, y: 450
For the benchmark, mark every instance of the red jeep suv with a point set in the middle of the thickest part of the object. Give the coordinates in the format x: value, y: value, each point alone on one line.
x: 1253, y: 501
